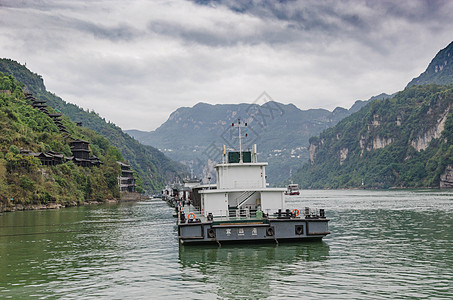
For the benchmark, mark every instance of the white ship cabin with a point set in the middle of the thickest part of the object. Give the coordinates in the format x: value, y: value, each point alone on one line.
x: 241, y: 188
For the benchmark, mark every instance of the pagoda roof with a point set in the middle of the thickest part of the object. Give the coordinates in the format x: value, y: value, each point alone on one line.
x: 78, y: 141
x: 123, y: 164
x: 55, y: 115
x: 79, y: 150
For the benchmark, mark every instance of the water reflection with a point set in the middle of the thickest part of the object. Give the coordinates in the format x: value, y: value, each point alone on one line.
x: 248, y: 271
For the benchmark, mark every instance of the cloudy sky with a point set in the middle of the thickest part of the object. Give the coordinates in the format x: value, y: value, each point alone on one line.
x: 136, y: 61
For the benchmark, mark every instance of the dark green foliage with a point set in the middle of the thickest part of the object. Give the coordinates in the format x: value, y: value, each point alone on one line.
x: 14, y: 150
x: 381, y: 141
x: 25, y: 182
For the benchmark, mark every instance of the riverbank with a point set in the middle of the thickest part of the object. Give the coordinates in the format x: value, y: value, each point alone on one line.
x: 21, y: 207
x: 125, y: 197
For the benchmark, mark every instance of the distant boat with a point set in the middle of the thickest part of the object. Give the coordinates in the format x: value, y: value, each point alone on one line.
x: 292, y: 189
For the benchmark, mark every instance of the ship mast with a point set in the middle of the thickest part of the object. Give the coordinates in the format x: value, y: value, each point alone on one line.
x: 240, y: 142
x: 240, y: 139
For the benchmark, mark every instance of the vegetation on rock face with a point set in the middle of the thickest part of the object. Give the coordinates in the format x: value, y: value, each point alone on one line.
x: 405, y: 141
x: 24, y: 180
x: 152, y: 166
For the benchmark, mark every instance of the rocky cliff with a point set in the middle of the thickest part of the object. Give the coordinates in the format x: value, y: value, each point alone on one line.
x: 405, y: 141
x: 446, y: 179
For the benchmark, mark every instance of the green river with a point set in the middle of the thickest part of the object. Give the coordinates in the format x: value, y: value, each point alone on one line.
x: 388, y: 244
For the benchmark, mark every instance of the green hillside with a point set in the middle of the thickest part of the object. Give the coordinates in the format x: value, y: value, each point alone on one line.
x: 405, y: 141
x: 23, y: 178
x: 153, y: 167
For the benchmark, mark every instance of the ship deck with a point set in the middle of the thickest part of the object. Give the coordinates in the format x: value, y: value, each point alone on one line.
x: 241, y: 216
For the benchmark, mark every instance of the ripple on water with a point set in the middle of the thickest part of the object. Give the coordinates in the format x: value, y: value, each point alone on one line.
x: 383, y: 245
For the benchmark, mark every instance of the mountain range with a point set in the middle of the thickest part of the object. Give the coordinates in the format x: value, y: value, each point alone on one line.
x: 287, y: 136
x: 195, y: 135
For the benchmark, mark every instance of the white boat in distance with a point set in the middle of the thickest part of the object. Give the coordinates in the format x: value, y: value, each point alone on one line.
x: 292, y: 189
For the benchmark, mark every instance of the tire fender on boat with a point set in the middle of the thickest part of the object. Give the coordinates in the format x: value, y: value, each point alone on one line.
x: 299, y: 229
x: 270, y: 231
x: 211, y: 233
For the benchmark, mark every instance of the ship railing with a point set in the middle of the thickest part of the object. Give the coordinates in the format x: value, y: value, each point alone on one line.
x: 248, y: 213
x: 306, y: 212
x: 237, y: 214
x: 187, y: 210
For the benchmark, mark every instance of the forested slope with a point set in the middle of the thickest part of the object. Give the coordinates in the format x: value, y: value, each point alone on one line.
x: 24, y: 181
x: 153, y: 167
x: 405, y: 141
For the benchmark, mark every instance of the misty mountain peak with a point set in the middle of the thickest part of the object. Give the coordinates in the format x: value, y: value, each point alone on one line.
x: 439, y: 71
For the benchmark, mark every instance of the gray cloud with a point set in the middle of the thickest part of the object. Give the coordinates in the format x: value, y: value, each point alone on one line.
x: 359, y: 20
x: 135, y: 62
x: 120, y: 32
x: 317, y: 13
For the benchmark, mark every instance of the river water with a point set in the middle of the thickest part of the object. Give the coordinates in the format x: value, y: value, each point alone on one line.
x: 383, y: 245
